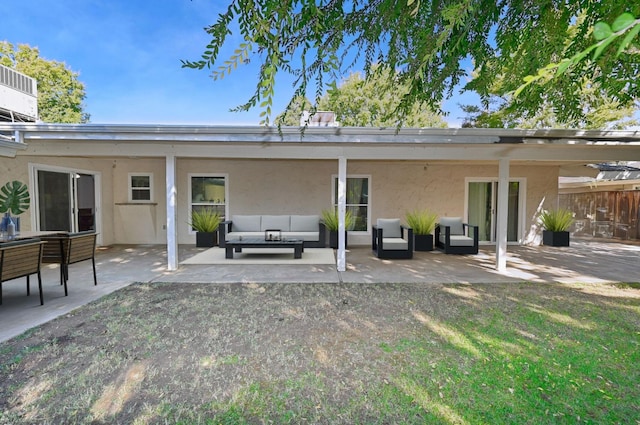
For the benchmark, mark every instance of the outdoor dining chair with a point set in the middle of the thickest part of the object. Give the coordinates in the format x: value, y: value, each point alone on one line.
x: 19, y: 259
x: 70, y: 248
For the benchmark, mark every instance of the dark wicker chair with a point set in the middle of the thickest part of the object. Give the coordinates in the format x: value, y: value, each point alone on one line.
x: 66, y: 249
x: 19, y: 259
x: 391, y: 240
x: 455, y: 237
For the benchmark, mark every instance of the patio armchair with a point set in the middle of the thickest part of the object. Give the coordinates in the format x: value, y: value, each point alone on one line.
x: 391, y: 240
x: 455, y: 237
x: 70, y: 248
x: 19, y: 259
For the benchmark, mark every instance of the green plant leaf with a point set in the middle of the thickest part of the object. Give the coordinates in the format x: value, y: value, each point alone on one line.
x: 623, y: 21
x: 205, y: 220
x: 558, y: 220
x: 601, y: 48
x: 14, y: 198
x: 601, y: 30
x: 627, y: 39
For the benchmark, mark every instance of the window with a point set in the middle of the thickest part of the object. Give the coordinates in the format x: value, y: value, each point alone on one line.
x: 357, y: 200
x: 208, y: 192
x: 140, y: 187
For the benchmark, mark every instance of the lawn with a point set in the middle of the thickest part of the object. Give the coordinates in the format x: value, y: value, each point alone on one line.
x: 333, y: 354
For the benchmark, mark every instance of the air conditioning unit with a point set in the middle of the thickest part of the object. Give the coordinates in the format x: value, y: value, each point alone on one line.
x: 18, y: 96
x: 636, y: 187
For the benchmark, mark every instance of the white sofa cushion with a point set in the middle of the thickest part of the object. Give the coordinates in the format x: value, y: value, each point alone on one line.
x: 277, y: 222
x: 457, y: 240
x: 246, y: 223
x: 394, y: 244
x: 390, y: 227
x: 455, y: 223
x: 305, y: 223
x: 305, y: 236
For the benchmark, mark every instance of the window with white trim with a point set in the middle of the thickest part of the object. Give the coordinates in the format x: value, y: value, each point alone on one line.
x: 358, y: 200
x: 140, y: 187
x: 208, y: 191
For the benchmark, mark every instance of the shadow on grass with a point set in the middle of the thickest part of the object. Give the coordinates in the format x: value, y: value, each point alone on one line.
x: 333, y: 353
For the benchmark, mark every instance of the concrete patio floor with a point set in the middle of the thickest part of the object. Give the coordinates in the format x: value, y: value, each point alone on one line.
x: 586, y: 261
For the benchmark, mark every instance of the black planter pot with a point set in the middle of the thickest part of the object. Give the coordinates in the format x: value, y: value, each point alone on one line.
x: 206, y: 239
x: 423, y: 242
x: 333, y: 239
x: 555, y: 238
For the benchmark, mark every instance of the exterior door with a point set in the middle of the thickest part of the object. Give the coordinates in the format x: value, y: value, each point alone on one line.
x: 482, y: 201
x: 65, y: 201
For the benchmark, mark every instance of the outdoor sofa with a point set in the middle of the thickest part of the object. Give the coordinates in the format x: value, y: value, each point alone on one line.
x: 309, y: 228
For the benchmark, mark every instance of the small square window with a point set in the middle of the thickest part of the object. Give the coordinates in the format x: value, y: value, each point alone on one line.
x: 140, y: 187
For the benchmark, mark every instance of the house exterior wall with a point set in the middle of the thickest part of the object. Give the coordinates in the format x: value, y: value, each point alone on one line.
x: 286, y: 187
x: 18, y: 169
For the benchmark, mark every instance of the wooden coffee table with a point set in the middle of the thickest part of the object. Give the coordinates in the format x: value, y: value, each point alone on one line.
x: 238, y: 244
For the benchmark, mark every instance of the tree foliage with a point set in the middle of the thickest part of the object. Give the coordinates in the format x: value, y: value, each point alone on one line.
x: 291, y: 116
x: 373, y: 102
x: 361, y: 102
x: 60, y: 93
x: 429, y: 43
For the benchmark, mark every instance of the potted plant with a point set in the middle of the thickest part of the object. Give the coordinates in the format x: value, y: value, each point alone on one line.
x: 422, y: 222
x: 330, y: 218
x: 205, y: 222
x: 14, y: 199
x: 556, y: 225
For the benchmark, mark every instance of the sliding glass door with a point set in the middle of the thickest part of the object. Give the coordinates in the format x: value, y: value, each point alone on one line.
x: 65, y: 200
x: 482, y: 201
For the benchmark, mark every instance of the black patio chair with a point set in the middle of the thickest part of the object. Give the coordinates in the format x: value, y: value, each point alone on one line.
x: 392, y: 240
x: 455, y: 237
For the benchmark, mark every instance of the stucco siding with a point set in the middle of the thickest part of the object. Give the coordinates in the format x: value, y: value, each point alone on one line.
x: 288, y: 187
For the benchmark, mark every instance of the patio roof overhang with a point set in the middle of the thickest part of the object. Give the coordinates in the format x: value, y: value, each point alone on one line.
x: 9, y: 146
x: 171, y: 142
x: 353, y: 143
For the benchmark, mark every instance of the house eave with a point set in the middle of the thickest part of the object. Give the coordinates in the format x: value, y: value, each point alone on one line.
x: 261, y: 134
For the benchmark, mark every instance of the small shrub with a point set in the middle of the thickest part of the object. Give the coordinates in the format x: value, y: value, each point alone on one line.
x: 205, y: 220
x: 422, y: 222
x: 330, y: 218
x: 558, y: 220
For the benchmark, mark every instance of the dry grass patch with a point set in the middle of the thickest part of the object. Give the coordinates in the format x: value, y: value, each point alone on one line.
x: 328, y: 353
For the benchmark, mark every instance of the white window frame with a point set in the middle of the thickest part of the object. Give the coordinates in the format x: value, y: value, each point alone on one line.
x: 131, y: 188
x: 190, y: 195
x: 334, y: 201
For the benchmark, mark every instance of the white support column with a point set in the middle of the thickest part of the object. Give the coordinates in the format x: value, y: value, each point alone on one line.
x: 503, y: 213
x: 342, y: 208
x: 172, y: 230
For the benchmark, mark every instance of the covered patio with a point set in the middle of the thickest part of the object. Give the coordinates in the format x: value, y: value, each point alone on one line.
x: 271, y: 171
x: 586, y: 261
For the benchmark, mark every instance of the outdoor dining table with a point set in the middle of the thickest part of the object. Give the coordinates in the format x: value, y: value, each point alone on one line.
x: 29, y: 234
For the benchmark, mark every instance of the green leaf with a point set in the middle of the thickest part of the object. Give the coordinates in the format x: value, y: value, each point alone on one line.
x: 627, y: 39
x: 601, y: 47
x: 563, y: 66
x: 14, y: 197
x: 622, y: 22
x: 602, y: 30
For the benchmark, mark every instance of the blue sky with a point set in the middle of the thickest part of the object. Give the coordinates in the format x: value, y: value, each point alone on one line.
x: 128, y: 54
